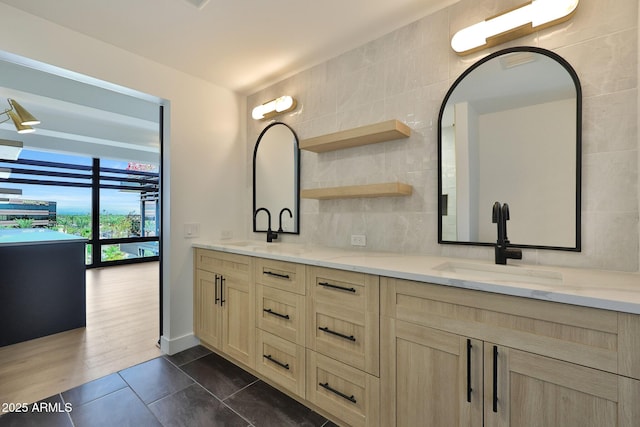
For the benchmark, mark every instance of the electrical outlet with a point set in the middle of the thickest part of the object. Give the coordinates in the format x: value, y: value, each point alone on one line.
x: 226, y: 234
x: 358, y: 240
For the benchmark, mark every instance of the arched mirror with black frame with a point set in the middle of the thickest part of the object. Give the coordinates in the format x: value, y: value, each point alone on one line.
x: 276, y: 180
x: 509, y: 130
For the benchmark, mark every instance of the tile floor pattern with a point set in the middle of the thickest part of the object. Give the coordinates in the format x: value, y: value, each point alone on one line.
x: 191, y: 389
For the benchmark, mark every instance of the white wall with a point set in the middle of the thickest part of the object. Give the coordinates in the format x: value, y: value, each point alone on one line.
x: 515, y: 155
x: 405, y: 75
x: 204, y: 144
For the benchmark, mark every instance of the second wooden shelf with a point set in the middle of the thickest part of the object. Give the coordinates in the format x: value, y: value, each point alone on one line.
x: 370, y: 134
x: 387, y: 189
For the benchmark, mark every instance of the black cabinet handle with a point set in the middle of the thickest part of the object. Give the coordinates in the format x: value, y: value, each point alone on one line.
x: 495, y: 378
x: 268, y: 310
x: 338, y: 334
x: 271, y: 359
x: 469, y: 389
x: 341, y: 288
x: 333, y: 390
x: 278, y: 275
x: 222, y: 300
x: 216, y: 288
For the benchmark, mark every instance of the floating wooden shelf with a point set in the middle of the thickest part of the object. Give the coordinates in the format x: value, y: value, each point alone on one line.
x: 388, y: 189
x: 370, y: 134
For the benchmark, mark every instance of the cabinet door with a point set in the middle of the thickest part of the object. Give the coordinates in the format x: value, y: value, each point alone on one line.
x: 237, y: 300
x: 207, y: 313
x: 536, y: 391
x: 430, y: 377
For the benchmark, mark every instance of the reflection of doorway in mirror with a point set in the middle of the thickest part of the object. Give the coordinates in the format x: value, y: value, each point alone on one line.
x: 449, y: 183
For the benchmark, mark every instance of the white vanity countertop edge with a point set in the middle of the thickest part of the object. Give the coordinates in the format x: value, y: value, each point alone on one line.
x: 609, y: 290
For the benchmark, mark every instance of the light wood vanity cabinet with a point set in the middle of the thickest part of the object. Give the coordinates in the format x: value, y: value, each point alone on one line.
x: 224, y: 304
x: 449, y: 355
x: 280, y: 319
x: 372, y: 351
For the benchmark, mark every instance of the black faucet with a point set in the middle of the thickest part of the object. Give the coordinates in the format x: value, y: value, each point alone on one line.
x: 500, y: 216
x: 280, y: 230
x: 270, y: 234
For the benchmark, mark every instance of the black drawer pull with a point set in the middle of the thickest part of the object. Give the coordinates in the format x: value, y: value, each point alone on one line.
x: 333, y: 390
x: 338, y: 334
x: 469, y: 389
x: 341, y: 288
x: 268, y: 310
x: 222, y: 300
x: 271, y: 273
x: 495, y: 378
x: 216, y: 289
x: 271, y: 359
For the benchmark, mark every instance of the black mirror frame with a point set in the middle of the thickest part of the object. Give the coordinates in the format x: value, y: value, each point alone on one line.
x: 576, y: 81
x: 297, y: 183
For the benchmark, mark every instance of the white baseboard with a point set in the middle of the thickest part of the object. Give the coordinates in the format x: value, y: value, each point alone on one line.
x: 176, y: 345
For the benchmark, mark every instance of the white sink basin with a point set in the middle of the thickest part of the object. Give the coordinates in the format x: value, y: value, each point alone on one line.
x: 501, y: 273
x: 280, y: 248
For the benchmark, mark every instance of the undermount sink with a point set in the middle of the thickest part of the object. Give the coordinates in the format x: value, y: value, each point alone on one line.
x: 249, y: 244
x: 271, y: 247
x: 501, y: 273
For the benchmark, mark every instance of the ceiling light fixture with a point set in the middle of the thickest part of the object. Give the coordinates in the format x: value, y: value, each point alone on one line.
x: 21, y: 118
x: 9, y: 149
x: 274, y: 107
x: 532, y: 16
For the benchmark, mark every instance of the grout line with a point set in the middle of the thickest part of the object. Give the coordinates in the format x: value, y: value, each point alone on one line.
x: 68, y: 413
x: 243, y: 388
x: 213, y: 395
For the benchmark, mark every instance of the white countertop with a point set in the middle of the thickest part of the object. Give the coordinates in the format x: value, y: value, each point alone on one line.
x: 608, y: 290
x: 35, y: 236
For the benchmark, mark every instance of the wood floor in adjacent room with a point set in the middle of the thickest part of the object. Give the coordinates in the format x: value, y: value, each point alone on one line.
x: 122, y: 331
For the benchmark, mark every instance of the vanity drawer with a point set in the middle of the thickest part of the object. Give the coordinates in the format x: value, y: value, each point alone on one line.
x: 343, y: 309
x: 231, y: 265
x: 581, y: 335
x: 356, y: 291
x: 343, y: 391
x: 281, y: 361
x: 287, y: 276
x: 350, y: 336
x: 281, y: 313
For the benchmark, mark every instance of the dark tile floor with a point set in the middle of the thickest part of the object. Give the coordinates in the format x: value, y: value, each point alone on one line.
x: 193, y: 388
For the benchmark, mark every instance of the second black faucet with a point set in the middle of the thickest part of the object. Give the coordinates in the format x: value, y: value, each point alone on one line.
x: 500, y: 216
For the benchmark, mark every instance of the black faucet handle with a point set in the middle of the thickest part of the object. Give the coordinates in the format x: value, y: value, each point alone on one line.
x: 495, y: 217
x: 505, y: 212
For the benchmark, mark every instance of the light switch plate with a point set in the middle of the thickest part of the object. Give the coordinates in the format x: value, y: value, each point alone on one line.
x: 191, y: 230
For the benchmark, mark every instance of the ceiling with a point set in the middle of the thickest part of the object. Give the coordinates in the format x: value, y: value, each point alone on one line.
x: 242, y: 45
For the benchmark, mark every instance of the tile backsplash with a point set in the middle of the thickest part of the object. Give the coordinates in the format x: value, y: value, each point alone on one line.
x: 405, y: 75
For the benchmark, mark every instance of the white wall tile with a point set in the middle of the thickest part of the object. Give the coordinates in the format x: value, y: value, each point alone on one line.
x: 405, y: 75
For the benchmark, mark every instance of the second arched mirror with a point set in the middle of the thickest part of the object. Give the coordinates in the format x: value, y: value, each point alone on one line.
x: 510, y: 131
x: 276, y: 180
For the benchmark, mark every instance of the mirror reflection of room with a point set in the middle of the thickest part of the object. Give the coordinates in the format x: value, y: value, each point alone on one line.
x: 510, y: 131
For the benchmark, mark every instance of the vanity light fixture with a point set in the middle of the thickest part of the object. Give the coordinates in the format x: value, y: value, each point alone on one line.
x: 22, y: 119
x: 532, y: 16
x: 274, y: 107
x: 9, y: 149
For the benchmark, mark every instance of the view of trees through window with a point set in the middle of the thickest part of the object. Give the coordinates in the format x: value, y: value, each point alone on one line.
x: 57, y: 194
